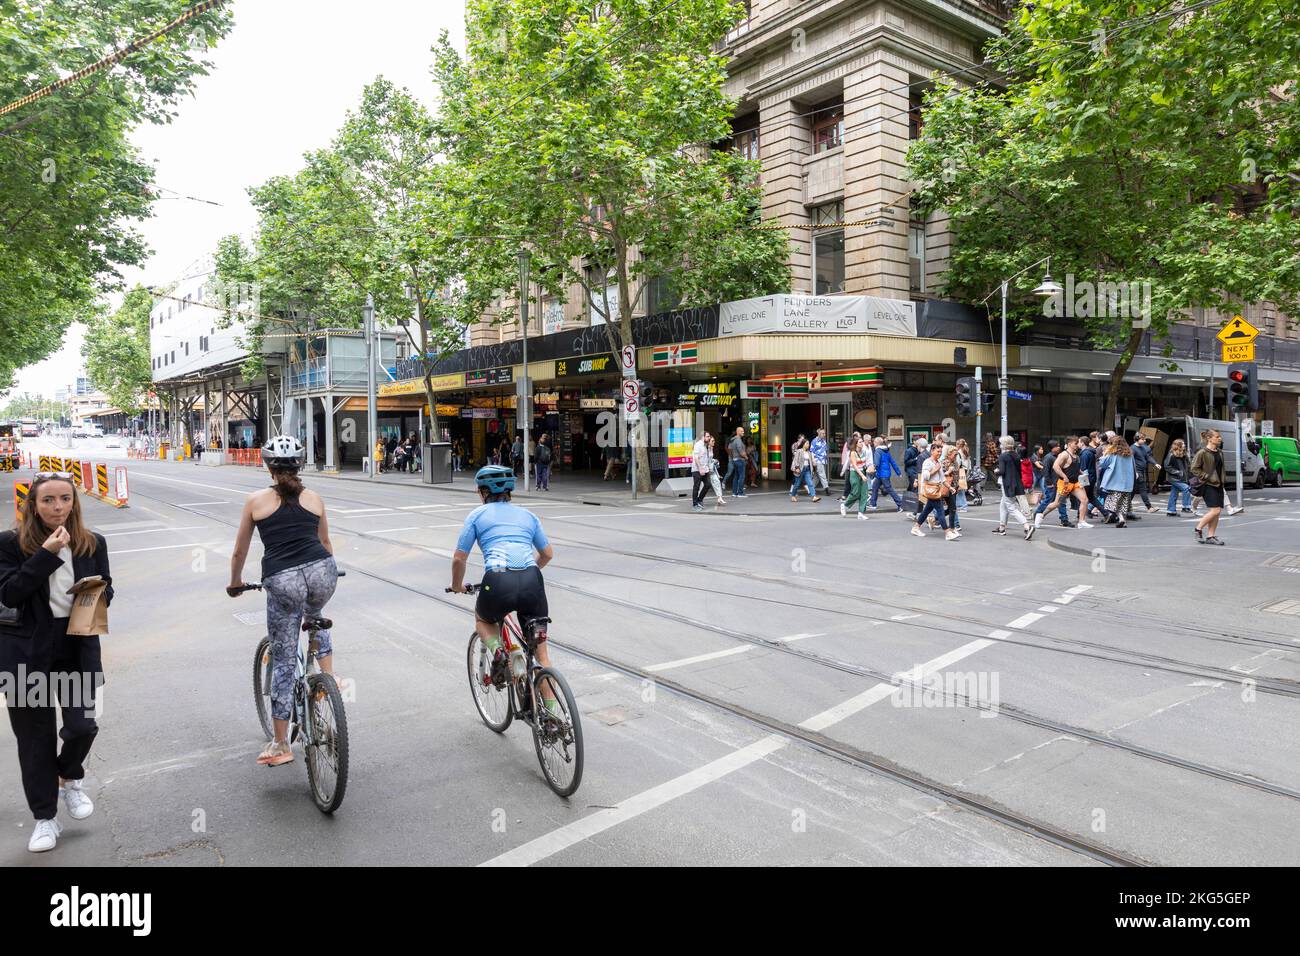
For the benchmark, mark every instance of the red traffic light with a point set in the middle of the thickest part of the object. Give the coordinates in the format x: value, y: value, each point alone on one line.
x: 1237, y: 375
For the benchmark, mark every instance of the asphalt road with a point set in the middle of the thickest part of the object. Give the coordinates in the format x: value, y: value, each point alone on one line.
x: 738, y: 676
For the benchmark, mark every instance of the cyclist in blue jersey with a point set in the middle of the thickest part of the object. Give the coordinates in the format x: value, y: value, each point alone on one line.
x: 515, y: 550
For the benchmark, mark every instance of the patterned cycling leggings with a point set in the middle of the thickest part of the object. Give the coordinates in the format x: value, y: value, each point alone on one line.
x: 288, y: 594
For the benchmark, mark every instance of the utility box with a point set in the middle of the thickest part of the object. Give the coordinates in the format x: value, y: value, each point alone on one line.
x: 436, y: 469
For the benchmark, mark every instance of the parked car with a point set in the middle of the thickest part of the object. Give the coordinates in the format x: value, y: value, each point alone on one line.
x: 1281, y: 458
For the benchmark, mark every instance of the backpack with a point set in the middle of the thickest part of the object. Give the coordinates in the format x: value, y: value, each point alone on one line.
x: 543, y: 454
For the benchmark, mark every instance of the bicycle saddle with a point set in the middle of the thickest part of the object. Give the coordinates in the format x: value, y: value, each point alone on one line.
x: 317, y: 623
x: 532, y: 623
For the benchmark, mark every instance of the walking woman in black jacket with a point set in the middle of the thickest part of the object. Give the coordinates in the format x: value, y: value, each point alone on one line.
x: 49, y: 551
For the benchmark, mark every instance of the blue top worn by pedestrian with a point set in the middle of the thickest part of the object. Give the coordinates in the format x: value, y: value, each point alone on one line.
x: 819, y: 449
x: 509, y: 536
x: 885, y: 464
x: 1117, y: 473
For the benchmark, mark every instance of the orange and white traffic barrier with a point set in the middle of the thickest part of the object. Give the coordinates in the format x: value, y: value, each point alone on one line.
x: 97, y: 486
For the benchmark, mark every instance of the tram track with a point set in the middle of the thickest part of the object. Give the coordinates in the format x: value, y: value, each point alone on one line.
x: 866, y: 761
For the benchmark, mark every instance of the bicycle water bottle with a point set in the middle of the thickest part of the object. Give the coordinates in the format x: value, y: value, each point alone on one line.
x: 518, y: 663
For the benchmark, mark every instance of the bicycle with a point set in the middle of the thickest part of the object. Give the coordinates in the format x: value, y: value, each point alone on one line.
x: 507, y: 687
x: 318, y: 713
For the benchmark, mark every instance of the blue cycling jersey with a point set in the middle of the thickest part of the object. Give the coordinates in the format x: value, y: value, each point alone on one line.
x: 508, y: 536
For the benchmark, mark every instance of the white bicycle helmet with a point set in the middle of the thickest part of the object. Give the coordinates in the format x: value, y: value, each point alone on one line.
x: 283, y: 451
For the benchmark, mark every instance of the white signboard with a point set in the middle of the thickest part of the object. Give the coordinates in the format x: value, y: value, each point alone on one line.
x: 819, y: 315
x: 627, y: 359
x: 552, y: 316
x: 1266, y: 428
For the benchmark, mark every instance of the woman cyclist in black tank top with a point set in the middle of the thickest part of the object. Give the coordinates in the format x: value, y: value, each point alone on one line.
x: 298, y: 575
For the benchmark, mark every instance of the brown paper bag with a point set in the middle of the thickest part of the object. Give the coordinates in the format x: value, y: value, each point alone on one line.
x: 89, y: 609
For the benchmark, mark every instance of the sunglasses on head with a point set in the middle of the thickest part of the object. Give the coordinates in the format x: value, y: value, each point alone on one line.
x: 54, y: 475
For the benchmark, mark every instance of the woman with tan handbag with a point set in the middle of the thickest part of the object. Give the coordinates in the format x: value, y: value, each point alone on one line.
x: 933, y: 486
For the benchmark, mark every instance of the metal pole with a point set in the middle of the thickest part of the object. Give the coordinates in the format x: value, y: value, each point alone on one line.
x: 1002, y: 383
x: 524, y: 400
x: 979, y: 412
x: 372, y: 413
x: 1241, y: 450
x: 1211, y: 409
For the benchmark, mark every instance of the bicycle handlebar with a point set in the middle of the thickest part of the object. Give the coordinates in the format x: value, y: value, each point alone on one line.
x: 469, y: 589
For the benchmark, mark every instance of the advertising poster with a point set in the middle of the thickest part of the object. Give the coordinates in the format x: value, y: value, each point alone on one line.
x: 681, y: 439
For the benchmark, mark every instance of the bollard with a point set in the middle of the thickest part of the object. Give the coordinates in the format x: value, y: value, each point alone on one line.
x: 21, y: 488
x: 101, y: 480
x: 87, y: 476
x: 76, y: 472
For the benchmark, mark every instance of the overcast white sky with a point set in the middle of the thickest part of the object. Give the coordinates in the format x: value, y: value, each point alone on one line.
x: 280, y: 85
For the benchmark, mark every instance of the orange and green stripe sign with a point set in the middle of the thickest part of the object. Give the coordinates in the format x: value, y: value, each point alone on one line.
x: 851, y: 378
x: 680, y: 353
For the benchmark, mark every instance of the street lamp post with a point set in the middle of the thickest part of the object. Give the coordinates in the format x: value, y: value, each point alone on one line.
x: 372, y: 413
x: 524, y: 401
x: 1045, y: 288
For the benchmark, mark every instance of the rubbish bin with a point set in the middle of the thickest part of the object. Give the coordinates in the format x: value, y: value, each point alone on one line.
x: 437, y: 463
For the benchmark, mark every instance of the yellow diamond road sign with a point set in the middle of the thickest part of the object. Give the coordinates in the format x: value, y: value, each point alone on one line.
x: 1237, y: 332
x: 1238, y: 352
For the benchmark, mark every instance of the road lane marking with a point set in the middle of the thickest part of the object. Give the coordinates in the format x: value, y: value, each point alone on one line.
x: 415, y: 507
x: 551, y: 843
x: 1049, y: 609
x: 903, y: 617
x: 166, y: 547
x: 571, y: 834
x: 1078, y: 589
x: 137, y: 476
x: 195, y: 504
x: 682, y: 662
x: 188, y: 527
x: 357, y: 511
x: 414, y: 527
x: 1025, y: 620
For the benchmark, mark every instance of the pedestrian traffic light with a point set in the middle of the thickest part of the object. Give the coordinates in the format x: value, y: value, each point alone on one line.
x: 1243, y: 387
x: 966, y: 395
x: 986, y: 402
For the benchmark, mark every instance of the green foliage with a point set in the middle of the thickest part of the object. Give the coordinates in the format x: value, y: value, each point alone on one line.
x: 1131, y: 145
x: 116, y: 351
x: 70, y: 182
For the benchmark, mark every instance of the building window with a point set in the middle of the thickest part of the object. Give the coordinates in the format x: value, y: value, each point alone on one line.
x: 828, y: 125
x: 915, y: 124
x: 828, y: 249
x: 916, y: 250
x: 662, y: 296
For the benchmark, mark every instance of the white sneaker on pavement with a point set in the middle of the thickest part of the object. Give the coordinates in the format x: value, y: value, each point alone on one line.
x: 916, y: 530
x: 1038, y: 519
x: 45, y: 836
x: 861, y: 516
x: 951, y: 536
x: 74, y: 798
x: 1083, y: 524
x: 843, y: 511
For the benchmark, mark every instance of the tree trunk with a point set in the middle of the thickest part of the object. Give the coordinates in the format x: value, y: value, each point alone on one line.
x: 1117, y: 376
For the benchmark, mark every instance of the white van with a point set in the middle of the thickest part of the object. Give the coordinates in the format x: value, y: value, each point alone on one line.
x: 1163, y: 431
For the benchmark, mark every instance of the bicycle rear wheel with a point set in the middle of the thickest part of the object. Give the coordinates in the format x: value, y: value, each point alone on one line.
x: 557, y: 734
x: 326, y: 751
x: 262, y: 685
x: 492, y: 701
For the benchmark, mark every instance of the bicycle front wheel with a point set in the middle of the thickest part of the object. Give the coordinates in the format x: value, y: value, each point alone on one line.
x: 262, y: 685
x: 557, y: 731
x: 492, y: 701
x: 326, y: 749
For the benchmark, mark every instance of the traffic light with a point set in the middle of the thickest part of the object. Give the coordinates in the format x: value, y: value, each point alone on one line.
x: 1243, y: 387
x: 966, y: 396
x: 986, y: 400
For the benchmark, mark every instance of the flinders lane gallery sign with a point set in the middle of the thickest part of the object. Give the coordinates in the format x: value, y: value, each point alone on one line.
x: 818, y: 315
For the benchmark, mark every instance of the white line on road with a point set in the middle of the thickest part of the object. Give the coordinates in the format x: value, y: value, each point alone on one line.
x: 1078, y: 589
x: 566, y: 836
x: 188, y: 527
x: 682, y: 662
x: 414, y: 527
x: 1049, y: 608
x: 195, y: 504
x: 903, y: 617
x: 165, y: 547
x: 1025, y: 620
x: 416, y: 507
x: 357, y: 511
x: 137, y: 476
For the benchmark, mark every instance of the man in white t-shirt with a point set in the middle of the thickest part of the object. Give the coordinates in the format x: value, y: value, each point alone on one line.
x: 700, y: 466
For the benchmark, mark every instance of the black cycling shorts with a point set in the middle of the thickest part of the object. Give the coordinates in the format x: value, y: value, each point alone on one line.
x: 521, y: 591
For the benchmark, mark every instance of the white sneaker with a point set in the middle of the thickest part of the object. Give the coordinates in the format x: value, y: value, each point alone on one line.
x: 1038, y: 519
x: 843, y: 511
x: 79, y: 805
x: 951, y: 536
x: 1083, y: 524
x: 861, y: 516
x: 917, y: 531
x: 45, y: 836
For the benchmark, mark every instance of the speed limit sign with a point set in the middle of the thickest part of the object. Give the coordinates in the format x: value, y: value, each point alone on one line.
x: 627, y: 360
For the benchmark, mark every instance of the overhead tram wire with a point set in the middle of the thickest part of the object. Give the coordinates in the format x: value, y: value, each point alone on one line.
x: 110, y: 60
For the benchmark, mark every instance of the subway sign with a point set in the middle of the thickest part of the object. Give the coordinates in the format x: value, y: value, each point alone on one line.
x: 585, y: 365
x: 712, y: 394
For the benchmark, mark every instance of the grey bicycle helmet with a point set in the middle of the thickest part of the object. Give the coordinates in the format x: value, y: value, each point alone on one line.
x: 495, y: 478
x: 283, y: 451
